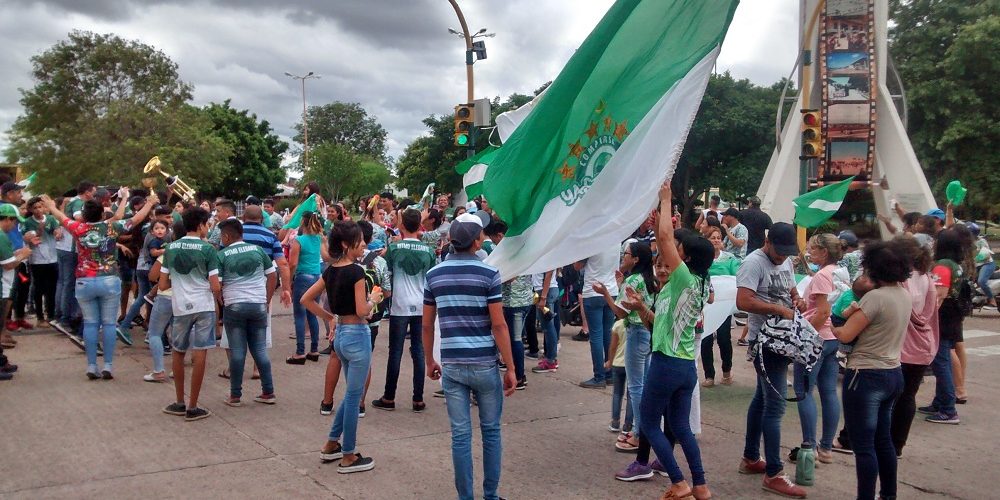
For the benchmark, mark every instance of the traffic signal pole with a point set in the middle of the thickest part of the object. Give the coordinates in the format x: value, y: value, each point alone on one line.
x: 469, y: 60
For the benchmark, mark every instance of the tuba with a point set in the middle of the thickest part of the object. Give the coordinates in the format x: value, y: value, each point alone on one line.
x: 180, y: 187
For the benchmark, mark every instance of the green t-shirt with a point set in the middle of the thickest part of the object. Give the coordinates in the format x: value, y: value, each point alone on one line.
x: 409, y: 260
x: 488, y: 246
x: 636, y: 282
x: 6, y: 257
x: 726, y: 264
x: 243, y: 269
x: 189, y: 262
x: 678, y: 309
x: 842, y: 303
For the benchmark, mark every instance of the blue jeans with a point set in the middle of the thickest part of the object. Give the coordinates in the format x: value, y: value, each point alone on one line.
x: 984, y: 278
x: 637, y: 348
x: 142, y: 276
x: 869, y: 396
x: 618, y: 391
x: 300, y: 284
x: 671, y: 383
x: 823, y: 376
x: 98, y: 298
x: 766, y: 409
x: 600, y: 319
x: 67, y: 306
x: 460, y: 383
x: 246, y: 327
x: 353, y: 346
x: 398, y: 326
x: 551, y: 341
x: 514, y: 316
x: 160, y: 318
x: 944, y: 391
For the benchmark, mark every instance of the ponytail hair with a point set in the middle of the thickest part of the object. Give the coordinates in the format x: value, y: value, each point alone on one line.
x: 343, y: 235
x: 311, y: 223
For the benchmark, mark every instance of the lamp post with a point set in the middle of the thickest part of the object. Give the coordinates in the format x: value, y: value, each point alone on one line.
x: 470, y: 59
x: 305, y: 124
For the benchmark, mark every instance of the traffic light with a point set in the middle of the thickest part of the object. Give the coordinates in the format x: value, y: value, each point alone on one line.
x: 812, y: 137
x: 464, y: 115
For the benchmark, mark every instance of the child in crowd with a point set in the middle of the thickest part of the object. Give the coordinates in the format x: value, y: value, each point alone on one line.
x: 617, y: 366
x: 153, y: 248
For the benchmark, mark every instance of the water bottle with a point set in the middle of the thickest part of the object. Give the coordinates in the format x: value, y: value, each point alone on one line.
x: 805, y: 464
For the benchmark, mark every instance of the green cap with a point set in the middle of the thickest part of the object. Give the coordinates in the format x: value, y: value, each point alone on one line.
x: 8, y: 210
x: 955, y: 192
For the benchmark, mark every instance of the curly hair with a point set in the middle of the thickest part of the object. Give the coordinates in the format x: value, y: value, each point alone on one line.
x: 886, y: 263
x: 918, y: 254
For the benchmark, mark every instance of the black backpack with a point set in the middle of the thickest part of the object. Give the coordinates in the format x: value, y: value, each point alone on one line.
x: 373, y: 280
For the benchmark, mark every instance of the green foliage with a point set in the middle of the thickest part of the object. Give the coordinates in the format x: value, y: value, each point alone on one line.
x: 341, y: 173
x: 101, y: 107
x: 730, y: 141
x: 946, y: 55
x: 346, y: 124
x: 255, y: 159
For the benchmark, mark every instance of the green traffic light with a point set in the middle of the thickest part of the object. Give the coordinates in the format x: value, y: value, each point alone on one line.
x: 462, y: 139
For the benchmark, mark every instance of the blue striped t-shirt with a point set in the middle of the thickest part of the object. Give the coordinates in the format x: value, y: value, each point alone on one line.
x: 461, y: 288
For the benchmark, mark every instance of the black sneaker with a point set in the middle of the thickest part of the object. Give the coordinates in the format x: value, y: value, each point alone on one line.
x: 106, y: 375
x: 439, y: 393
x: 196, y: 414
x: 382, y: 405
x: 361, y: 412
x: 6, y: 375
x: 336, y: 454
x: 167, y: 350
x: 178, y: 409
x: 521, y: 385
x: 581, y: 337
x: 532, y: 355
x: 503, y: 367
x: 360, y: 465
x: 325, y: 408
x: 419, y: 406
x: 93, y: 375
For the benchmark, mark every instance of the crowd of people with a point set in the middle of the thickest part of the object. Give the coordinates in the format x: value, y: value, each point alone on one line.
x: 202, y: 276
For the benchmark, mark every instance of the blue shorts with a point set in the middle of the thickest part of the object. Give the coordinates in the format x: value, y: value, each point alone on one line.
x: 193, y: 331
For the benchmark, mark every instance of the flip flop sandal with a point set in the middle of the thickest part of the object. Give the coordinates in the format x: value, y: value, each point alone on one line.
x: 224, y: 374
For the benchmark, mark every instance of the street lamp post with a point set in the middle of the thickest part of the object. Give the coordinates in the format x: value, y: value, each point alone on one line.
x: 470, y: 59
x: 305, y: 124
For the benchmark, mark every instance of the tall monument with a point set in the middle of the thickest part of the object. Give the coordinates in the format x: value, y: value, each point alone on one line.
x: 842, y: 75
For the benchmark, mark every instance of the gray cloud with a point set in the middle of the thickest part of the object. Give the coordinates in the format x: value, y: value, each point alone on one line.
x: 394, y: 57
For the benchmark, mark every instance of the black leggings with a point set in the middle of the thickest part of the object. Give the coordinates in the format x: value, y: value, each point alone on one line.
x: 44, y: 277
x: 906, y: 405
x: 725, y: 339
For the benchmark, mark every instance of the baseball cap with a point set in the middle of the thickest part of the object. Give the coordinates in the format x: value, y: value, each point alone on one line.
x: 471, y: 207
x: 252, y: 200
x: 848, y: 236
x: 934, y: 212
x: 782, y: 238
x: 10, y: 186
x: 466, y: 228
x: 8, y: 210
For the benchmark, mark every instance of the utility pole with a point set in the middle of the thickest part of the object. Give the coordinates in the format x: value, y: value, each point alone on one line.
x: 305, y: 124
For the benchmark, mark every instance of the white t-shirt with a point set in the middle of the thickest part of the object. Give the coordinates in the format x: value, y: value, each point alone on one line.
x: 601, y: 269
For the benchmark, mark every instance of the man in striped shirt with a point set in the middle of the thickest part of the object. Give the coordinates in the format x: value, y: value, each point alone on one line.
x: 465, y: 294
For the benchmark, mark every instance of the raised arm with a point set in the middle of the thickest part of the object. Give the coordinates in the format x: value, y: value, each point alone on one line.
x: 665, y: 230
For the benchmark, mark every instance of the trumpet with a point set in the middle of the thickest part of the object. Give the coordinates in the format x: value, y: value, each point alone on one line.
x: 180, y: 187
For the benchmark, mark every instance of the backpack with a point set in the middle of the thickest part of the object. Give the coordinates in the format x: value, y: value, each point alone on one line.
x: 372, y: 280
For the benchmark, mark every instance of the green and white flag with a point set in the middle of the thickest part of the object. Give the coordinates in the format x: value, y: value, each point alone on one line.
x: 582, y: 170
x: 816, y: 207
x: 473, y: 171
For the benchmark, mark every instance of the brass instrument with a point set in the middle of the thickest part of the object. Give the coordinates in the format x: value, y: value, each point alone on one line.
x: 180, y: 187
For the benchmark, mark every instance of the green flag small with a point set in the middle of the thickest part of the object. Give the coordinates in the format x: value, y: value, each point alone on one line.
x: 306, y: 206
x: 816, y: 207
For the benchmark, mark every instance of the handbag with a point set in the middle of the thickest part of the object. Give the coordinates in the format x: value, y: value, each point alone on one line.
x: 795, y: 339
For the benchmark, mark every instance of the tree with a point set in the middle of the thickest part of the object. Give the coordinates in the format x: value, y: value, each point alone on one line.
x: 346, y: 124
x: 255, y: 158
x: 946, y: 55
x: 730, y: 141
x: 343, y: 173
x: 101, y: 107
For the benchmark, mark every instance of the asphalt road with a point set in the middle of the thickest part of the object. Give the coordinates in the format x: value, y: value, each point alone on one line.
x: 67, y: 437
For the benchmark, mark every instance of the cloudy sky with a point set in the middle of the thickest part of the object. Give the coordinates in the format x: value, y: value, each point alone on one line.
x: 395, y: 57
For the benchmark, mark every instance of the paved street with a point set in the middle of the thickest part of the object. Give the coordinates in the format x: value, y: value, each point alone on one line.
x: 67, y: 437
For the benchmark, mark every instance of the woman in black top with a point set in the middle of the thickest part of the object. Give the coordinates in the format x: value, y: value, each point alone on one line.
x: 344, y: 284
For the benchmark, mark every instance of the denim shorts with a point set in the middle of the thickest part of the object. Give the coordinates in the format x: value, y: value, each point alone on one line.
x: 193, y: 331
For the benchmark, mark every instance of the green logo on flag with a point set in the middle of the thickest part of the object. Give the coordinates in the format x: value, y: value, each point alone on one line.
x: 590, y: 154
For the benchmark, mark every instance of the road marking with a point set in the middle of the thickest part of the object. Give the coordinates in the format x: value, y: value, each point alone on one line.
x: 976, y: 334
x: 992, y: 350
